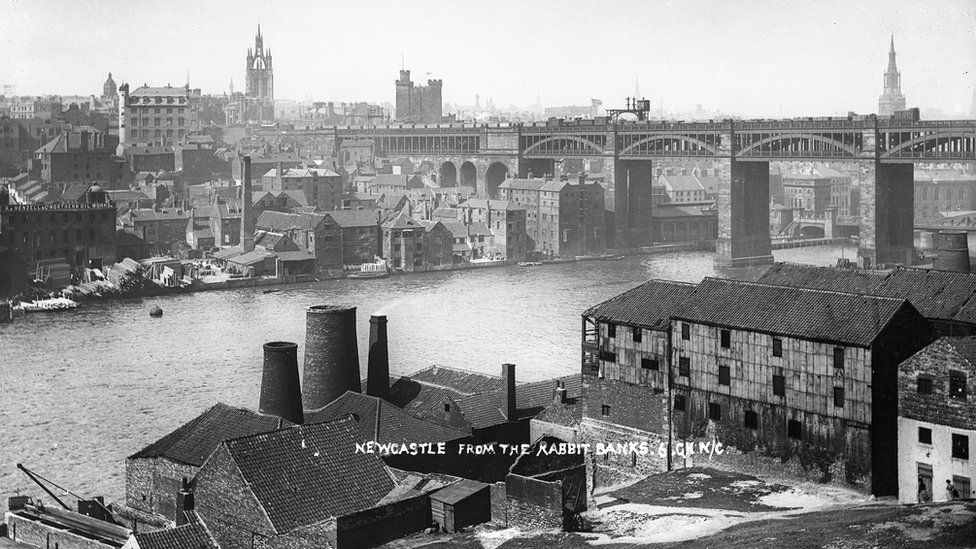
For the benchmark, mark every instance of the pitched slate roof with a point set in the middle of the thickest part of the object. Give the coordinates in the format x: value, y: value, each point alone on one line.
x: 569, y: 413
x: 458, y: 491
x: 487, y: 409
x: 461, y: 381
x: 533, y: 184
x: 280, y: 221
x: 187, y: 536
x: 682, y: 182
x: 485, y: 203
x: 381, y: 421
x: 193, y: 442
x: 306, y: 474
x: 401, y: 220
x: 354, y: 218
x: 649, y: 305
x: 943, y: 295
x: 816, y: 315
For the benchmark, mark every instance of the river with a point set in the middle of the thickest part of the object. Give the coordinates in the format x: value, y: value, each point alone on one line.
x: 81, y: 390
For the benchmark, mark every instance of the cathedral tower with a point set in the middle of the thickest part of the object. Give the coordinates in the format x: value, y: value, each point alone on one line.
x: 259, y: 81
x: 891, y: 100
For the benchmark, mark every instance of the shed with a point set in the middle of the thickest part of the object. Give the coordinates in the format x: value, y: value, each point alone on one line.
x: 465, y: 503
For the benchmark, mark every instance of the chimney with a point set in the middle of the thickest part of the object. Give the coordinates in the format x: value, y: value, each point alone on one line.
x: 247, y: 213
x: 378, y: 361
x: 281, y: 394
x: 582, y: 178
x: 953, y: 251
x: 559, y: 394
x: 184, y: 503
x: 331, y: 354
x: 511, y: 409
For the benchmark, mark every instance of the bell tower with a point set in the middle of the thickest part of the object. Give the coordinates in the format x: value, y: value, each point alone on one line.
x: 891, y: 100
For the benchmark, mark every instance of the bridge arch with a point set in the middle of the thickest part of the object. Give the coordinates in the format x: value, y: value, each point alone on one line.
x: 788, y: 137
x: 496, y: 174
x: 680, y: 138
x: 447, y: 175
x: 586, y: 145
x: 469, y: 175
x: 937, y: 138
x: 812, y: 231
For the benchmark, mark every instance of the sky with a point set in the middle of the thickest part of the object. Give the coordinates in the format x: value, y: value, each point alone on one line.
x: 754, y: 57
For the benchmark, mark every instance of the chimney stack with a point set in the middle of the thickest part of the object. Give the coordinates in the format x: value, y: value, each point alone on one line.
x: 511, y: 409
x: 378, y: 361
x: 184, y: 503
x: 281, y: 394
x: 247, y: 213
x: 331, y: 354
x: 953, y: 251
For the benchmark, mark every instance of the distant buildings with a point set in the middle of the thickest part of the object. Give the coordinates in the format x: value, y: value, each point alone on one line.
x: 891, y: 99
x: 941, y: 191
x: 816, y: 189
x: 321, y: 187
x: 158, y: 115
x: 506, y: 221
x: 74, y: 156
x: 937, y: 421
x: 259, y: 82
x: 410, y: 245
x: 418, y: 104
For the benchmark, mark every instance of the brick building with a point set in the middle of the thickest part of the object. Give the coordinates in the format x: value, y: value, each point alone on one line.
x: 506, y: 221
x: 153, y: 474
x: 410, y: 245
x: 352, y: 237
x: 278, y: 201
x: 816, y: 189
x: 937, y: 420
x: 938, y: 192
x: 158, y: 115
x: 798, y: 371
x: 418, y: 104
x: 83, y: 154
x: 159, y: 228
x: 322, y: 188
x: 80, y: 234
x: 561, y: 218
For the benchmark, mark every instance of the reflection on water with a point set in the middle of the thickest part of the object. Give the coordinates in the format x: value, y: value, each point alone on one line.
x: 84, y: 389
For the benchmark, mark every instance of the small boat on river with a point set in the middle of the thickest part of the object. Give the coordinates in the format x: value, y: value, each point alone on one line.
x: 48, y: 305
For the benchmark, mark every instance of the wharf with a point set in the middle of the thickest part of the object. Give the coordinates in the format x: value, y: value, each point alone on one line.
x: 806, y: 242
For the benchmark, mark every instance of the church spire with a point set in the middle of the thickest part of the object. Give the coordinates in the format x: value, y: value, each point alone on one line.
x: 891, y: 99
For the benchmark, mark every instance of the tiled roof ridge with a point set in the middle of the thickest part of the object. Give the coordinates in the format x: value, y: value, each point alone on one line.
x: 805, y: 289
x: 451, y: 368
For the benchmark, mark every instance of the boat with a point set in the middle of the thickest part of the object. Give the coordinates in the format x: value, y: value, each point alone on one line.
x: 600, y: 257
x: 529, y: 263
x: 271, y: 291
x: 371, y: 270
x: 47, y: 305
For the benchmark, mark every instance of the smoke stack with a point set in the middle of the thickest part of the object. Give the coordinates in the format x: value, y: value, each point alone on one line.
x: 331, y: 354
x: 953, y: 251
x: 511, y: 409
x: 184, y: 503
x: 247, y: 213
x: 281, y: 394
x: 378, y: 361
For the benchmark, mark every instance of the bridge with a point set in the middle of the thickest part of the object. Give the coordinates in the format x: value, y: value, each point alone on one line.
x: 622, y: 153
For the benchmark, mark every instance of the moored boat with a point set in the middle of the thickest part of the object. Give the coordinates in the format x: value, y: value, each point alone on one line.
x: 47, y: 305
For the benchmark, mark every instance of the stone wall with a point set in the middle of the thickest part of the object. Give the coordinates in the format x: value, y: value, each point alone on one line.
x: 533, y: 504
x: 229, y: 509
x: 38, y: 534
x: 151, y: 484
x: 377, y: 525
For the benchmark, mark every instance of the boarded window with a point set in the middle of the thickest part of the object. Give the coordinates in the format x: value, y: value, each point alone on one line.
x: 839, y: 397
x: 960, y: 446
x: 724, y: 375
x: 679, y: 402
x: 726, y: 337
x: 838, y: 357
x: 685, y: 331
x: 650, y: 364
x: 684, y: 366
x: 925, y: 435
x: 714, y: 411
x: 638, y: 335
x: 752, y: 420
x: 793, y: 429
x: 777, y: 346
x: 605, y: 410
x: 608, y: 356
x: 779, y: 385
x: 961, y: 484
x: 957, y: 385
x: 611, y: 330
x: 924, y: 385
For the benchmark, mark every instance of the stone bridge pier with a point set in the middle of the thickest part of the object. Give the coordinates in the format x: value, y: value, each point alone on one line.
x: 887, y: 210
x: 743, y: 214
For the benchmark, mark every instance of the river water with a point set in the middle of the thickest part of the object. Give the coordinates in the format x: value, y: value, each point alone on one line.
x: 81, y: 390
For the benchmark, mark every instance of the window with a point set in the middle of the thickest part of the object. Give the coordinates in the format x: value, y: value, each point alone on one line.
x: 793, y: 429
x: 447, y: 407
x: 611, y: 330
x: 924, y: 385
x: 961, y: 484
x: 957, y: 385
x: 925, y: 435
x: 752, y: 420
x: 777, y: 347
x: 608, y: 356
x: 838, y: 397
x: 714, y: 411
x: 838, y: 357
x: 724, y: 375
x: 960, y: 446
x: 679, y: 402
x: 684, y: 366
x: 726, y: 338
x: 649, y: 364
x: 605, y: 410
x: 685, y: 331
x: 779, y: 385
x: 638, y: 335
